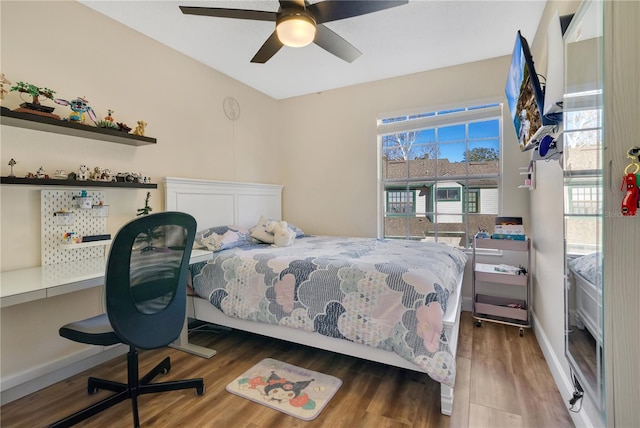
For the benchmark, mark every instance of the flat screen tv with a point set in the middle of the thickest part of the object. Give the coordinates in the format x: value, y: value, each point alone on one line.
x: 526, y: 98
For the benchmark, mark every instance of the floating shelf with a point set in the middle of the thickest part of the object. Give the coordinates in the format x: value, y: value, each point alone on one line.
x: 48, y: 124
x: 75, y: 183
x: 74, y: 245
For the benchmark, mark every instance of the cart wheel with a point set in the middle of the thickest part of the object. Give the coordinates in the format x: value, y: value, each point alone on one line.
x: 521, y: 331
x: 478, y: 323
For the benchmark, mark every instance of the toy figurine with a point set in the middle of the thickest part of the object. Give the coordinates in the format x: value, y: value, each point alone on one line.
x: 123, y: 126
x: 12, y: 162
x: 140, y: 128
x: 79, y: 107
x: 83, y: 173
x: 40, y: 173
x: 108, y: 117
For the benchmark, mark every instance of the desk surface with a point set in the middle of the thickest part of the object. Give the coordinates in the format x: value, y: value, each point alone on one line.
x: 25, y: 285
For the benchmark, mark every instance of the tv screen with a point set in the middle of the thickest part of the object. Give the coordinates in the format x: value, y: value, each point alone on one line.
x: 525, y: 98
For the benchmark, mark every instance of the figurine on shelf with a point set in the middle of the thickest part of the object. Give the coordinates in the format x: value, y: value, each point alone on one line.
x: 97, y: 173
x: 78, y: 107
x: 12, y: 163
x: 108, y: 121
x: 106, y: 175
x: 123, y: 127
x: 40, y: 173
x: 83, y: 173
x: 60, y: 174
x: 140, y: 128
x: 35, y: 92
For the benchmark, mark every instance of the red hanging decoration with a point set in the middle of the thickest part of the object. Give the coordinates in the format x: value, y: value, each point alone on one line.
x: 630, y: 200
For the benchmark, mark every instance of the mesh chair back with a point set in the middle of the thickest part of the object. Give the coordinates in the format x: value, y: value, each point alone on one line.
x: 146, y: 278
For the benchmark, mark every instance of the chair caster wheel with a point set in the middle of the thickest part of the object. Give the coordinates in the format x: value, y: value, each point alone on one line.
x: 478, y: 323
x: 165, y: 371
x: 521, y: 332
x: 200, y: 391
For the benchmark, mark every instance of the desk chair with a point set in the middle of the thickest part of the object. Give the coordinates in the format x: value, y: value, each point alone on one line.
x: 145, y: 289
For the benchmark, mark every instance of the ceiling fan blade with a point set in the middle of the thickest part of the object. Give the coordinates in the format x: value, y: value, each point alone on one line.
x: 268, y: 49
x: 331, y: 42
x: 327, y: 11
x: 256, y: 15
x: 290, y: 4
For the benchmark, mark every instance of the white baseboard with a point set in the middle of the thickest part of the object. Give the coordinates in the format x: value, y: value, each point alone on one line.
x: 467, y: 304
x: 24, y: 383
x: 582, y: 418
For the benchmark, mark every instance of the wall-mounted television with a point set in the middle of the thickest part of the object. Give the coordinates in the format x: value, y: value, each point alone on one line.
x: 526, y: 98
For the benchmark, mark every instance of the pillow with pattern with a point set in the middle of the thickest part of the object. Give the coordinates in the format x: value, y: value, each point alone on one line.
x: 222, y: 237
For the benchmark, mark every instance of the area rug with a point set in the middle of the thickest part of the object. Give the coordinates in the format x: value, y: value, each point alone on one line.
x: 289, y: 389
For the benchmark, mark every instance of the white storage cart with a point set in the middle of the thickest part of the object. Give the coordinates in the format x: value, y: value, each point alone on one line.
x: 494, y: 297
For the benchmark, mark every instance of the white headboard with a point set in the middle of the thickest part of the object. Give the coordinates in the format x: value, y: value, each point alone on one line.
x: 217, y: 203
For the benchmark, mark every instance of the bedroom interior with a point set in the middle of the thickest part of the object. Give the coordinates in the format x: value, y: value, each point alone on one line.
x: 327, y: 169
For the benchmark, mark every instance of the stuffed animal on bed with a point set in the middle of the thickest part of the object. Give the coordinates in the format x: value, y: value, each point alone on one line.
x: 282, y: 235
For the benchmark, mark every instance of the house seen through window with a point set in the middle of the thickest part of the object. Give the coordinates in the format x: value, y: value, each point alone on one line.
x: 440, y: 173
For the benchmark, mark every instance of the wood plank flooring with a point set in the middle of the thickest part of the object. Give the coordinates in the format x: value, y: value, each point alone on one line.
x: 502, y: 381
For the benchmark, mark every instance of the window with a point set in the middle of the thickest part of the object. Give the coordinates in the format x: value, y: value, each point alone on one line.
x: 400, y: 201
x: 440, y: 173
x: 472, y: 200
x: 448, y: 194
x: 583, y: 171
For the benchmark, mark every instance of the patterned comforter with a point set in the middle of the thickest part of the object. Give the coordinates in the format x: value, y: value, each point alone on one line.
x: 388, y: 294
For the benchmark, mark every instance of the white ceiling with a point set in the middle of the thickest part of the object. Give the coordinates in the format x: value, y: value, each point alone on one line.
x: 419, y: 36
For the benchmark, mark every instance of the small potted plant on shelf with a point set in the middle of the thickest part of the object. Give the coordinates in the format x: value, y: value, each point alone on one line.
x: 35, y: 92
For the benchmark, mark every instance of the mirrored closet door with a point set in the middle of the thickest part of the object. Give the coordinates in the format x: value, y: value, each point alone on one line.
x: 583, y: 203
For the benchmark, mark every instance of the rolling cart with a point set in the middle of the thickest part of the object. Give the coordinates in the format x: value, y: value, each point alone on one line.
x: 502, y: 293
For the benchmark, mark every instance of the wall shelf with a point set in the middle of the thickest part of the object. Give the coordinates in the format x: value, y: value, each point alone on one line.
x: 75, y: 245
x: 75, y: 183
x: 47, y: 124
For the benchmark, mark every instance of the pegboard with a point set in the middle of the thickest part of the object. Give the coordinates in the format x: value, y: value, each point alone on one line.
x: 85, y: 223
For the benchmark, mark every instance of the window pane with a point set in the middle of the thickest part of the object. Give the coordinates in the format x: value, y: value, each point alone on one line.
x: 430, y: 192
x: 451, y: 159
x: 451, y: 133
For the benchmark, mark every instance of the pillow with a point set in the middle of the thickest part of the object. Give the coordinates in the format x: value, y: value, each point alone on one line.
x: 222, y: 237
x: 259, y: 231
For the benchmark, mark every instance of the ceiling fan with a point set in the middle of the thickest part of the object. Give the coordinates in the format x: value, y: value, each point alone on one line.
x: 299, y: 23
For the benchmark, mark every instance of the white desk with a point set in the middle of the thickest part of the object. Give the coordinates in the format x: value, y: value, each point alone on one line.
x: 26, y: 285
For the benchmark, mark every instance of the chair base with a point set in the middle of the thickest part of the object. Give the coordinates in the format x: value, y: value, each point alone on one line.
x: 131, y: 390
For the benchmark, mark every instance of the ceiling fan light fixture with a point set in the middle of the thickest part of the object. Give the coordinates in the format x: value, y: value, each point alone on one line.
x: 296, y: 29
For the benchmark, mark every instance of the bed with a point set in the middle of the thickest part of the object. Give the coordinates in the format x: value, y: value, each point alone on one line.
x: 586, y: 273
x: 286, y: 298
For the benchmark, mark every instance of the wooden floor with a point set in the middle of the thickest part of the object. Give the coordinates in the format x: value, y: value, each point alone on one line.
x: 502, y: 381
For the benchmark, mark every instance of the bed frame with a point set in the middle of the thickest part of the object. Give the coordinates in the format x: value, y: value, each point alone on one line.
x: 215, y: 203
x: 588, y: 304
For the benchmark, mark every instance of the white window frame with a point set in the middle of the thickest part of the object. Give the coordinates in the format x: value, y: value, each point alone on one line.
x: 475, y: 112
